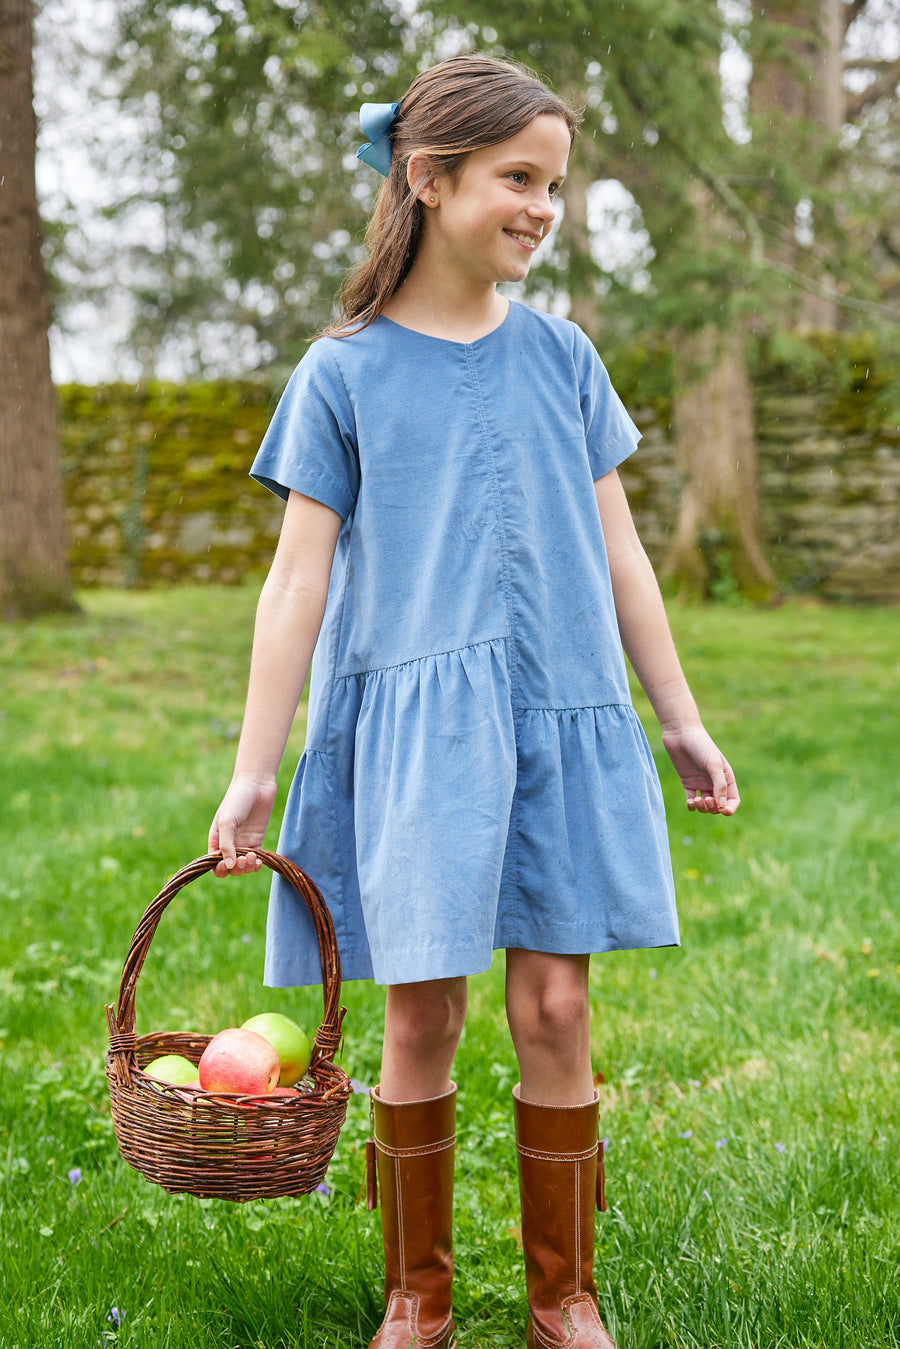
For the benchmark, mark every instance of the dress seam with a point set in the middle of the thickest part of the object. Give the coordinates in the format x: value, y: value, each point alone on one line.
x: 581, y: 707
x: 513, y: 889
x: 417, y: 660
x: 338, y: 910
x: 339, y: 626
x: 338, y: 631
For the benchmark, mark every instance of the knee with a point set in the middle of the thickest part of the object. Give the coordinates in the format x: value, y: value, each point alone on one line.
x: 555, y: 1018
x: 427, y: 1018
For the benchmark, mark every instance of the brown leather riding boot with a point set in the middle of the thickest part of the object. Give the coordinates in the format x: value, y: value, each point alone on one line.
x: 413, y: 1145
x: 560, y: 1182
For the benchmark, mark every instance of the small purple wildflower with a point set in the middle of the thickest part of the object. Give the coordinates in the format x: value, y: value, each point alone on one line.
x: 358, y: 1087
x: 653, y: 974
x: 115, y: 1316
x: 75, y: 1175
x: 720, y: 1142
x: 780, y: 1147
x: 605, y: 1142
x: 694, y: 1082
x: 688, y: 1133
x: 706, y: 1194
x: 323, y: 1188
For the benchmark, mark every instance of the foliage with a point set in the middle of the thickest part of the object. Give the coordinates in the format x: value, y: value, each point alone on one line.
x: 750, y: 1077
x: 246, y: 113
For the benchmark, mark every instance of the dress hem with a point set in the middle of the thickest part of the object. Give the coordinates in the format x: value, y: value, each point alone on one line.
x: 411, y: 972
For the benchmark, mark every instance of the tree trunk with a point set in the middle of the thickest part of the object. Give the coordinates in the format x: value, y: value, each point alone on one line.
x: 715, y: 550
x: 803, y: 80
x: 34, y: 574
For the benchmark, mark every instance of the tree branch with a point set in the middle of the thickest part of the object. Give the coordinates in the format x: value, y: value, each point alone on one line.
x: 853, y: 11
x: 883, y: 85
x: 829, y: 293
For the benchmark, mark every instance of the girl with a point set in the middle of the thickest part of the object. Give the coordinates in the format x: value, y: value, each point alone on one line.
x: 458, y: 550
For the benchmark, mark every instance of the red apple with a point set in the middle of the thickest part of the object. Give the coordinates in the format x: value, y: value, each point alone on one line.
x: 239, y: 1061
x: 289, y: 1042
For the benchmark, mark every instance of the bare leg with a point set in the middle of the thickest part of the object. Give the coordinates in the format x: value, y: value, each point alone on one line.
x: 549, y: 1018
x: 422, y: 1026
x: 556, y: 1108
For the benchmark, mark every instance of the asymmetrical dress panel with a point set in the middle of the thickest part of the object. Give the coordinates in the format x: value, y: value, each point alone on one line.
x: 475, y: 776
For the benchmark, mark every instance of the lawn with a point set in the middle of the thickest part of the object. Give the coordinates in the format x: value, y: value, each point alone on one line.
x: 750, y: 1077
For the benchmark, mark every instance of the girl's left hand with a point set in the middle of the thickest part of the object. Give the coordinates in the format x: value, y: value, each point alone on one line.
x: 704, y: 771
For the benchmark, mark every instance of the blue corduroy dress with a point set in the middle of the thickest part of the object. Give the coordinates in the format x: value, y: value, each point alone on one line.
x: 475, y: 776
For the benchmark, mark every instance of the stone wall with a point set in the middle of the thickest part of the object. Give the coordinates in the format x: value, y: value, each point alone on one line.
x: 157, y: 487
x: 156, y: 483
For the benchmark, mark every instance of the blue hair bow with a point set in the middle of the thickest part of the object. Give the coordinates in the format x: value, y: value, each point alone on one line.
x: 376, y: 120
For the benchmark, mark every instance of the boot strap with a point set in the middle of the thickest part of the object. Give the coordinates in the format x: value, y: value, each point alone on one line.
x: 371, y: 1176
x: 601, y: 1179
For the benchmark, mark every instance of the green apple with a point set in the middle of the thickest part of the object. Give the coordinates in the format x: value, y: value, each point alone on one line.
x: 290, y: 1043
x: 172, y: 1068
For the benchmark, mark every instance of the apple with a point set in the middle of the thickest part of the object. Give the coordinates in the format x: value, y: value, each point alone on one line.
x: 290, y: 1043
x: 240, y: 1061
x: 172, y: 1068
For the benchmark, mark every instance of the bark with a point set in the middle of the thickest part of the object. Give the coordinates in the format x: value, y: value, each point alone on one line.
x: 715, y: 548
x: 34, y: 575
x: 804, y: 81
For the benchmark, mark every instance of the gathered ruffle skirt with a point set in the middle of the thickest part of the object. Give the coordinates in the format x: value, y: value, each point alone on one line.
x: 442, y: 823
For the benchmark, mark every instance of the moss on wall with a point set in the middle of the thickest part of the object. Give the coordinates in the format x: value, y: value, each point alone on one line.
x: 157, y: 486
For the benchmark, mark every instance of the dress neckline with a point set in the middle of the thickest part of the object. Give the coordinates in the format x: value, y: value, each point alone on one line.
x: 449, y: 341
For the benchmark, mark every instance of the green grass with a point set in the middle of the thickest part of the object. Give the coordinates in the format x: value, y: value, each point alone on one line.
x: 751, y: 1076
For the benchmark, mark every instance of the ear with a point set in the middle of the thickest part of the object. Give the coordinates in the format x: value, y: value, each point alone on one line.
x: 424, y: 184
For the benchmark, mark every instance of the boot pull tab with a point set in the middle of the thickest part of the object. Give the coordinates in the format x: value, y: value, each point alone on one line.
x: 371, y: 1162
x: 371, y: 1176
x: 601, y: 1178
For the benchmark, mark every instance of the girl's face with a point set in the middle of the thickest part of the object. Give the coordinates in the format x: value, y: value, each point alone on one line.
x: 487, y: 225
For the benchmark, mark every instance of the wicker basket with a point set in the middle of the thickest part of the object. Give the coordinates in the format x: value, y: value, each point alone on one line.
x: 214, y: 1145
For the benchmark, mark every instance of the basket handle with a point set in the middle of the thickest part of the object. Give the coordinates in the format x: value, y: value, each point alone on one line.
x: 121, y: 1020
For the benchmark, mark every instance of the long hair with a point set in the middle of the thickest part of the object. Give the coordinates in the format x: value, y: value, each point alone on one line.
x: 467, y: 103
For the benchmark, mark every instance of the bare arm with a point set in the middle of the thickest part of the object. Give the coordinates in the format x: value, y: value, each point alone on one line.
x: 288, y: 619
x: 644, y: 628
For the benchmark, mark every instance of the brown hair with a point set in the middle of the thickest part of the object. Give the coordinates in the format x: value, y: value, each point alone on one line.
x: 467, y: 103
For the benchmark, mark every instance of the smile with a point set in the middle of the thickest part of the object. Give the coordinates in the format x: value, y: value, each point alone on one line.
x: 529, y: 241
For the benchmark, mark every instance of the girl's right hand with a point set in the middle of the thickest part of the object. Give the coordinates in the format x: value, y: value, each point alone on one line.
x: 241, y: 821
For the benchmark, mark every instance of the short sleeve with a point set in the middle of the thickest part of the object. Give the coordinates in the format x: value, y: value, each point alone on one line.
x: 610, y: 434
x: 310, y: 445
